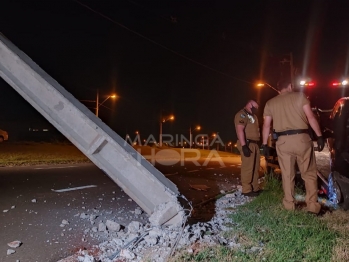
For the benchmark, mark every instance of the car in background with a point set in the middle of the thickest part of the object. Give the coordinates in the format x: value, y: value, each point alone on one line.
x: 3, y: 136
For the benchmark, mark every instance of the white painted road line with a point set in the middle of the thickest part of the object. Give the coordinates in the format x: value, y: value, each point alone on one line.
x: 56, y: 167
x: 73, y: 188
x: 193, y: 171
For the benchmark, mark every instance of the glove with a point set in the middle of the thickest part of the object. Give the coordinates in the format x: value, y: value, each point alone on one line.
x: 246, y: 151
x: 266, y: 150
x: 320, y: 143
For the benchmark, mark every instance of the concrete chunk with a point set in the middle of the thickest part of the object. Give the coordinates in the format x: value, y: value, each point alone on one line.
x: 14, y: 244
x: 113, y: 226
x: 134, y: 227
x: 10, y: 251
x: 102, y: 227
x: 164, y: 212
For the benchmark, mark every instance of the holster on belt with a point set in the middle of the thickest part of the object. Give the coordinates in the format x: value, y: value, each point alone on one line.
x: 274, y: 135
x: 247, y: 143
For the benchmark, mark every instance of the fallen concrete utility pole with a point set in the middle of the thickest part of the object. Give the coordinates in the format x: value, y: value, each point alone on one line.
x: 148, y: 187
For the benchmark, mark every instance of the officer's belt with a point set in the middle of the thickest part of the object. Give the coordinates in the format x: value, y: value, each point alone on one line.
x: 292, y: 132
x: 252, y: 141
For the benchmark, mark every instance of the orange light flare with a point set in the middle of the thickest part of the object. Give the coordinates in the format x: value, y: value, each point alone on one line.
x: 304, y: 83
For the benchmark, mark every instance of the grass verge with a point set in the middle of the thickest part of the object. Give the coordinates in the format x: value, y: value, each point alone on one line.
x: 266, y: 231
x: 32, y: 153
x: 25, y: 154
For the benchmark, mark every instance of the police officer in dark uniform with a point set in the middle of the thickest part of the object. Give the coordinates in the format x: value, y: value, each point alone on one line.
x: 291, y: 115
x: 247, y: 130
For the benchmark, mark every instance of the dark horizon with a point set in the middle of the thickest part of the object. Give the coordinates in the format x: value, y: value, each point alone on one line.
x: 197, y: 60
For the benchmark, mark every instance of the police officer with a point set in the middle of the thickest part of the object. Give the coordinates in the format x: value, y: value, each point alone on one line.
x: 291, y: 115
x: 247, y: 130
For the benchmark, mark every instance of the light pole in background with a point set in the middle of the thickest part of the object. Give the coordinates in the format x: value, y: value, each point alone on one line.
x: 99, y: 104
x: 214, y: 135
x: 262, y: 84
x: 138, y: 138
x: 231, y: 147
x: 163, y: 120
x: 191, y: 135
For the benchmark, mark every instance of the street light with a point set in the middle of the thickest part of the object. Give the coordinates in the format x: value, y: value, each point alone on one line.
x: 262, y: 84
x: 138, y: 138
x: 191, y: 136
x: 214, y: 135
x: 99, y: 104
x: 231, y: 147
x: 163, y: 120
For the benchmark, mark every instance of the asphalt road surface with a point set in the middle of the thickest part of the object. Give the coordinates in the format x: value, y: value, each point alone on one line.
x: 32, y: 208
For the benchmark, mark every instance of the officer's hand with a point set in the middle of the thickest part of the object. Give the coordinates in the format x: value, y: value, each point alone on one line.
x: 266, y: 150
x: 320, y: 143
x: 246, y: 151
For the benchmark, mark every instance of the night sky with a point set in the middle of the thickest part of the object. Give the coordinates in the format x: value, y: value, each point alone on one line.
x: 198, y: 60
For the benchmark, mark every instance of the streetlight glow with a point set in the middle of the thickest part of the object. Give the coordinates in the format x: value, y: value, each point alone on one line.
x: 163, y: 120
x: 191, y: 136
x: 262, y: 84
x: 99, y: 104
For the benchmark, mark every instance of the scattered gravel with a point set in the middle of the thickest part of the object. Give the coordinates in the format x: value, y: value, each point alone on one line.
x: 142, y: 242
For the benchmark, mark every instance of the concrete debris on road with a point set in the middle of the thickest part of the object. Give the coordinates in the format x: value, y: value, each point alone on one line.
x: 148, y: 242
x: 113, y: 226
x: 138, y: 211
x: 84, y: 215
x: 102, y: 227
x: 15, y: 244
x: 64, y: 223
x: 10, y: 251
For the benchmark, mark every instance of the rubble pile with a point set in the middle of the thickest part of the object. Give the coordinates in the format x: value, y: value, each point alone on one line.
x: 142, y: 242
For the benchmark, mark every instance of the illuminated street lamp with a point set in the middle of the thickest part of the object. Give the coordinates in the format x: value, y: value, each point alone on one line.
x: 163, y: 120
x: 191, y: 135
x: 214, y: 135
x: 99, y: 104
x: 138, y: 138
x: 262, y: 84
x: 230, y: 144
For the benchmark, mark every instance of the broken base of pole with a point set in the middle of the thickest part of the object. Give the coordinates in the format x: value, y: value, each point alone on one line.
x: 169, y: 213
